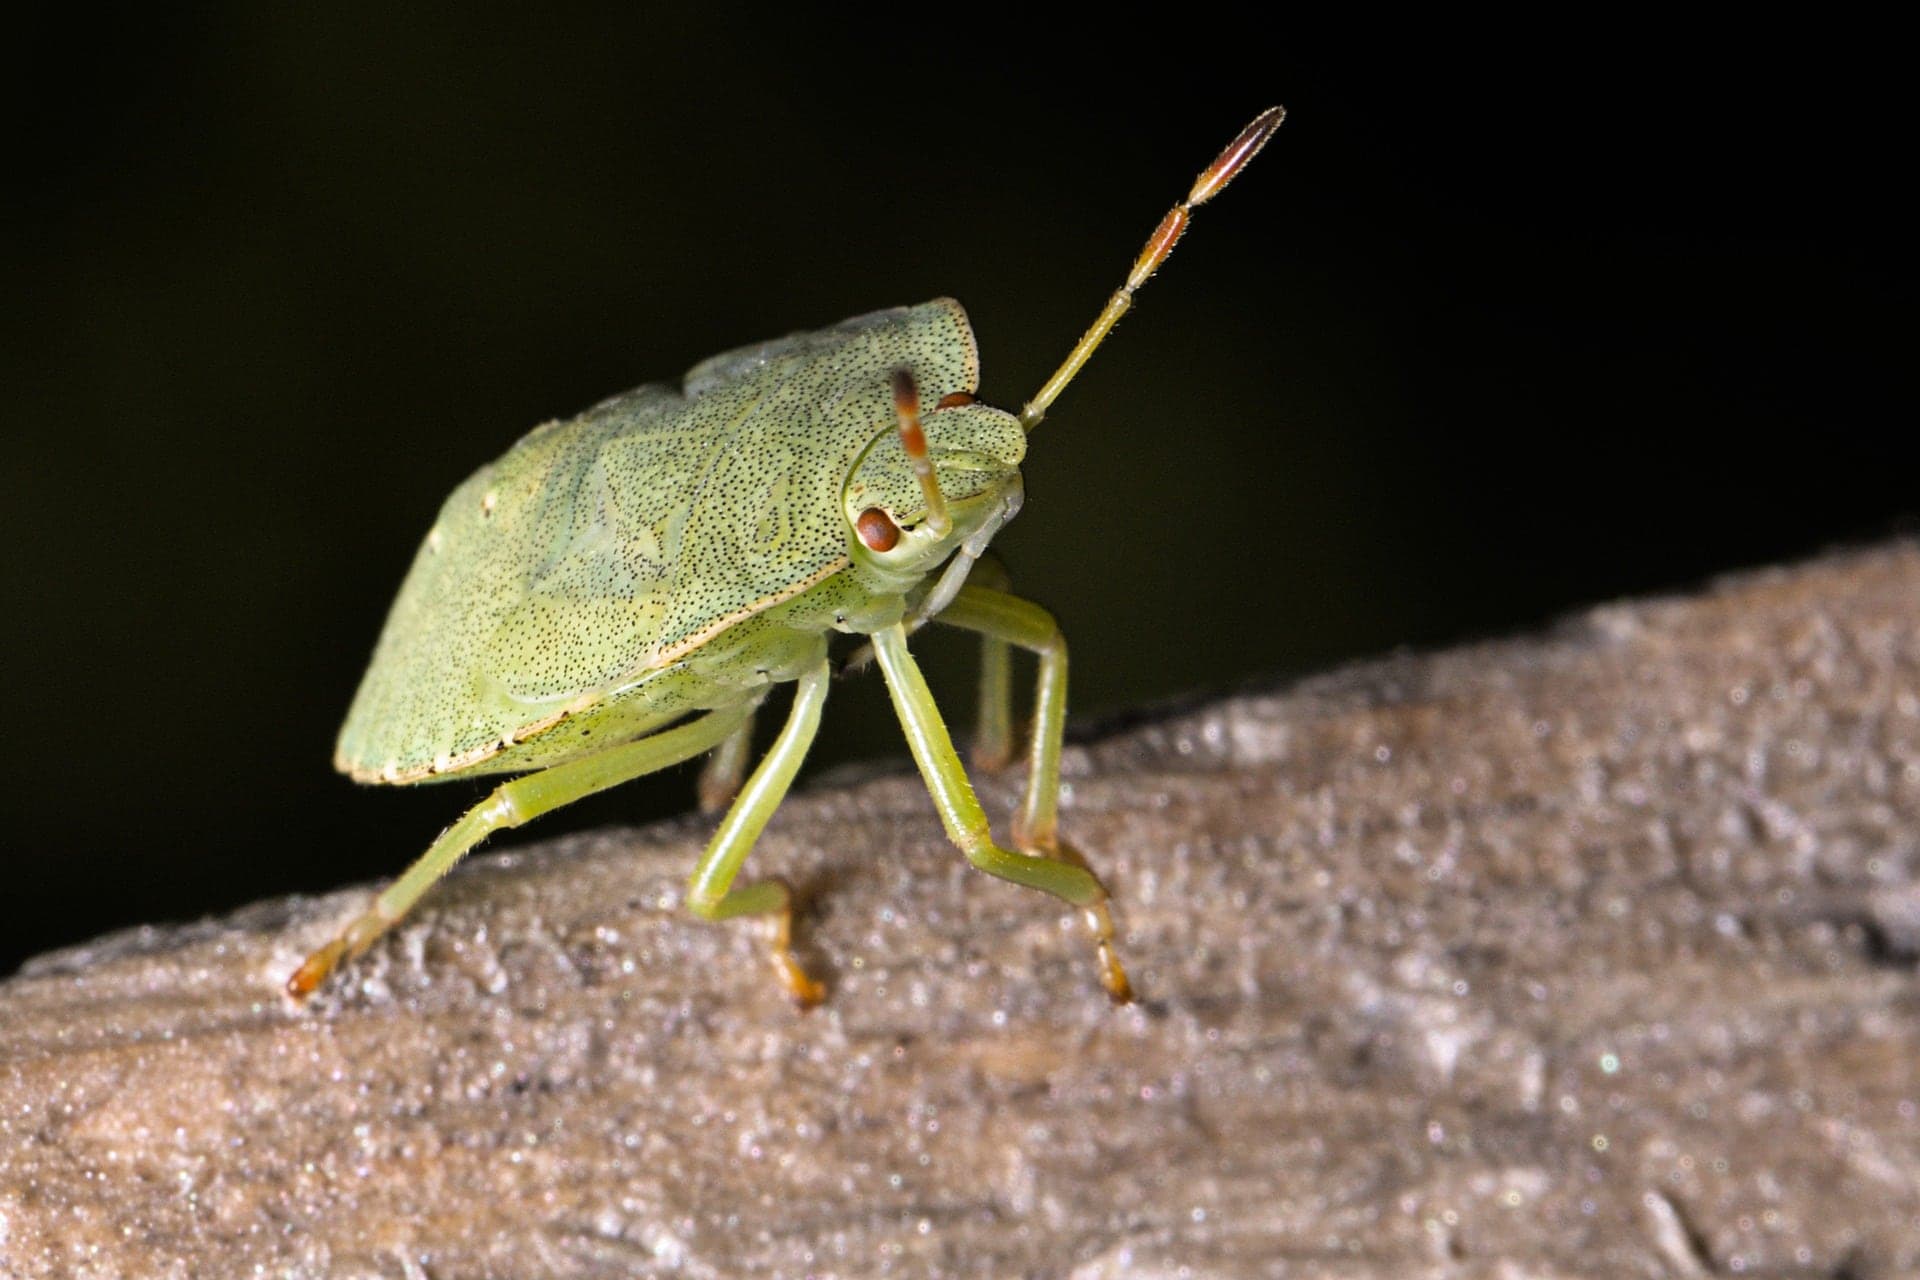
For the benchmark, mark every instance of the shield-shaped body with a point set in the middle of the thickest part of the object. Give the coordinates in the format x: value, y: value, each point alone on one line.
x: 617, y: 569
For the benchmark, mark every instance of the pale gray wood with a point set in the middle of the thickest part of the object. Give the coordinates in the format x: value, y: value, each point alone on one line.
x: 1591, y: 954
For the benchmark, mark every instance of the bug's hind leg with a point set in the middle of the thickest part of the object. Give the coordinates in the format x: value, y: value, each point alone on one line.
x: 1046, y: 866
x: 710, y: 894
x: 509, y: 805
x: 726, y: 769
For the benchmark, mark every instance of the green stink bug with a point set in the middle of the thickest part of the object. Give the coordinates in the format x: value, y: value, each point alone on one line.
x: 618, y: 593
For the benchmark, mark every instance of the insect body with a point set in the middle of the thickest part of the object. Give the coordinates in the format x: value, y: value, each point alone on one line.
x: 619, y: 592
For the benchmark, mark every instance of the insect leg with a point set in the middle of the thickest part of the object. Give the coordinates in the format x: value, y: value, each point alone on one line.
x: 726, y: 769
x: 710, y: 894
x: 509, y: 805
x: 997, y: 615
x: 966, y: 822
x: 993, y: 731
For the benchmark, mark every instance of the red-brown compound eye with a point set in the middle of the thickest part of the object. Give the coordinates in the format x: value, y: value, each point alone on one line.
x: 955, y: 399
x: 877, y: 529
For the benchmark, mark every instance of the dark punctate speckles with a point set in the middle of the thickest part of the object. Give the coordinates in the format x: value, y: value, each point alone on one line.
x: 602, y: 548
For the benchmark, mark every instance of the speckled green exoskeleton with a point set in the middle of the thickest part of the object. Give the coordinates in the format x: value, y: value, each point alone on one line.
x: 620, y: 591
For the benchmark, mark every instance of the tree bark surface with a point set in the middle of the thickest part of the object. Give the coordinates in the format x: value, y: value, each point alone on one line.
x: 1588, y: 954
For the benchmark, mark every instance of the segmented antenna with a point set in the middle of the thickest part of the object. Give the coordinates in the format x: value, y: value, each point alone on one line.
x: 906, y: 407
x: 1208, y: 185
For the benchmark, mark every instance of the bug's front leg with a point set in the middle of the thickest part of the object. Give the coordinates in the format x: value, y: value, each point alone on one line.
x: 1044, y: 866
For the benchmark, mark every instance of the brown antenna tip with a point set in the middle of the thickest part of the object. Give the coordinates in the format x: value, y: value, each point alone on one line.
x: 1238, y: 152
x: 1228, y: 163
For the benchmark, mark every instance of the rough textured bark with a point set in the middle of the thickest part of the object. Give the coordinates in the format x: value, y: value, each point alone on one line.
x: 1590, y: 954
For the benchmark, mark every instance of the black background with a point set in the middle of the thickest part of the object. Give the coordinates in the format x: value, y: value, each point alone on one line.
x: 1506, y: 320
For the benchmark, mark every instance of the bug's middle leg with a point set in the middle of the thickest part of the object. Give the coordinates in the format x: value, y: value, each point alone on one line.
x: 1042, y: 866
x: 710, y: 894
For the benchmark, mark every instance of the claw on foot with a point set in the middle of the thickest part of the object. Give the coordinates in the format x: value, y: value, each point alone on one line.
x: 805, y: 990
x: 352, y: 941
x: 1113, y: 975
x: 315, y: 968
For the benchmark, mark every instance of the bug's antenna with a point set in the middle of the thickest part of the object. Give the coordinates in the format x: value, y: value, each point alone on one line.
x: 906, y: 407
x: 1208, y: 185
